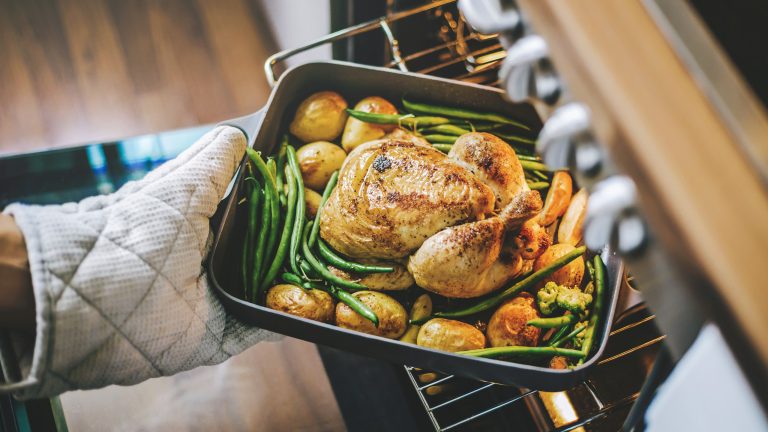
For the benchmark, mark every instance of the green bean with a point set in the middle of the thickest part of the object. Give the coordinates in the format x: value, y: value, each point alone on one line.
x: 464, y: 114
x: 317, y: 266
x: 337, y: 261
x: 524, y: 284
x: 270, y: 193
x: 529, y: 158
x: 446, y: 129
x: 559, y: 334
x: 597, y: 310
x: 535, y: 166
x: 576, y: 330
x: 261, y: 243
x: 553, y: 322
x: 486, y: 127
x: 445, y: 148
x: 287, y: 231
x: 512, y: 351
x: 540, y: 175
x: 253, y: 209
x: 280, y: 181
x: 355, y: 304
x: 275, y: 209
x: 301, y: 207
x: 514, y: 138
x: 538, y: 185
x: 440, y: 139
x: 326, y: 193
x: 294, y: 279
x: 407, y: 120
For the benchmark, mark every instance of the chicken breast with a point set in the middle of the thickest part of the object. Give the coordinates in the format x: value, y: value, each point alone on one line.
x: 394, y: 194
x: 494, y: 162
x: 466, y: 261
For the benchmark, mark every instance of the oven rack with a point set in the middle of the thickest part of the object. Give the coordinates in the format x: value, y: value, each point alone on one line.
x: 462, y: 52
x: 469, y: 392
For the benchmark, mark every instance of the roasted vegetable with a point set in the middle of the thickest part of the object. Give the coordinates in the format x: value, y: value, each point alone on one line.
x: 554, y: 296
x: 357, y: 132
x: 320, y: 117
x: 312, y: 199
x: 508, y: 325
x: 573, y: 219
x: 398, y: 279
x: 459, y: 113
x: 558, y: 198
x: 392, y: 315
x: 318, y: 161
x: 450, y: 335
x: 313, y: 304
x: 421, y: 308
x: 569, y: 275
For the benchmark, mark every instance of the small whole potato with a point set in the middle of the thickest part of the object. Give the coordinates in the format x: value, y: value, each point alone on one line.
x: 392, y: 315
x: 320, y: 117
x: 312, y: 199
x: 450, y: 335
x: 569, y: 275
x: 318, y: 161
x: 507, y: 326
x: 313, y: 304
x: 357, y: 132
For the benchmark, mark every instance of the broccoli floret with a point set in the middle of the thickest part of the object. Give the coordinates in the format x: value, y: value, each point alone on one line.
x: 578, y: 340
x: 554, y: 296
x: 547, y: 298
x: 573, y: 299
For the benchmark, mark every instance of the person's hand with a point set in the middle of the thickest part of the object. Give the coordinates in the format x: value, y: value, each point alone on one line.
x: 121, y: 294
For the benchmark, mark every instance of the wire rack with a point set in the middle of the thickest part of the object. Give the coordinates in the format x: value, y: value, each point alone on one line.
x: 454, y: 49
x: 451, y: 49
x: 454, y: 403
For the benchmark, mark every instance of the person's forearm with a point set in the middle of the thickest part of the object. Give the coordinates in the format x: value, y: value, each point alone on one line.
x: 17, y: 303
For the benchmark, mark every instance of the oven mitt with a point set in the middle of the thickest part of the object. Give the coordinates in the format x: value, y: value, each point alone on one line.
x: 120, y: 289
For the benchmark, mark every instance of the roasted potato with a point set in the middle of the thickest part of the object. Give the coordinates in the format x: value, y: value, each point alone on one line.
x: 392, y: 315
x: 507, y: 326
x: 318, y: 161
x: 421, y: 308
x: 313, y: 304
x: 357, y: 132
x: 398, y: 280
x: 320, y: 117
x: 569, y: 275
x: 558, y: 198
x: 573, y: 219
x: 312, y: 199
x: 450, y: 335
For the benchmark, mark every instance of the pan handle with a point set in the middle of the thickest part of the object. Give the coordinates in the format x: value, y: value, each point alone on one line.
x: 248, y: 124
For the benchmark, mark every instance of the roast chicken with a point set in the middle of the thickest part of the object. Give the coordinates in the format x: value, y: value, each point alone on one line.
x: 393, y: 194
x: 455, y: 216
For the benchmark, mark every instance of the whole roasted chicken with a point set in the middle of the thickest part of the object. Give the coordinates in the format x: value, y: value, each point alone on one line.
x: 456, y: 217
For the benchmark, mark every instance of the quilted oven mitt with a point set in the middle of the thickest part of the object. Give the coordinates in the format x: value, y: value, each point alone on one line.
x: 121, y: 295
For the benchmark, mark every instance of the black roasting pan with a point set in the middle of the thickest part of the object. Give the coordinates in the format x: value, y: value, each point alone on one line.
x: 353, y: 81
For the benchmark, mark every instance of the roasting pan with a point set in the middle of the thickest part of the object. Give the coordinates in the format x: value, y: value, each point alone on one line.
x: 264, y: 129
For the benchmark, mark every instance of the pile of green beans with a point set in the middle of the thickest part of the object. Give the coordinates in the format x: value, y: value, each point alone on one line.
x: 461, y: 114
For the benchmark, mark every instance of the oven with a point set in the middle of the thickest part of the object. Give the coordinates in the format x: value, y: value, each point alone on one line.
x: 528, y: 48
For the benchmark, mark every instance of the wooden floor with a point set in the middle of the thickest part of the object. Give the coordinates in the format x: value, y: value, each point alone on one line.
x: 77, y: 71
x: 73, y: 72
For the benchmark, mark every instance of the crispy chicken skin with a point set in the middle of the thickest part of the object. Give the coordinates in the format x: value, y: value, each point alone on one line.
x: 494, y: 162
x: 393, y: 194
x: 466, y: 260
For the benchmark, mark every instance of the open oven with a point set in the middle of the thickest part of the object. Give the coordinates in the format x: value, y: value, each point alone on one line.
x: 501, y: 48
